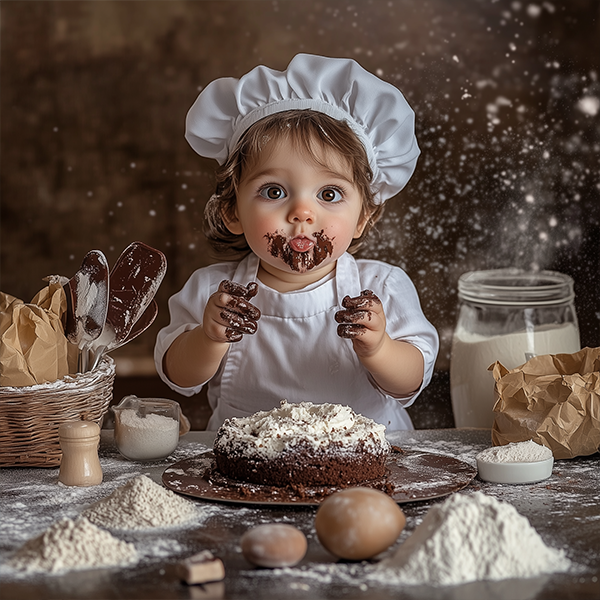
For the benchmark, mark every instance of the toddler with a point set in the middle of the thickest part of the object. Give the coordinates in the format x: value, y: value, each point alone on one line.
x: 307, y: 158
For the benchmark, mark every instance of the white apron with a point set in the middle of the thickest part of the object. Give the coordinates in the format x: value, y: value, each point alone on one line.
x: 297, y: 355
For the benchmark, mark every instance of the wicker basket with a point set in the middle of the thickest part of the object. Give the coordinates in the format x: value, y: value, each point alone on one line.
x: 30, y: 416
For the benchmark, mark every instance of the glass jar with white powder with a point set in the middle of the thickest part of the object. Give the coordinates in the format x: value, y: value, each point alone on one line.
x: 505, y: 315
x: 146, y: 428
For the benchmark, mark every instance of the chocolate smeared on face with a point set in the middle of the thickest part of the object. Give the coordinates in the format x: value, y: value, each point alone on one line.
x: 323, y: 247
x: 301, y: 262
x: 355, y: 310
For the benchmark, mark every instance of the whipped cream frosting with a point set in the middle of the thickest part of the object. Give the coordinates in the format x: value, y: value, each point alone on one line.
x: 268, y: 433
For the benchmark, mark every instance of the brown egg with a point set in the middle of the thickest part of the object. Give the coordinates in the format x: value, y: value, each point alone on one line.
x: 358, y: 523
x: 274, y: 545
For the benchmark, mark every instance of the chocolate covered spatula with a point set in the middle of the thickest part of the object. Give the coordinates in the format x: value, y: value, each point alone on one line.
x: 87, y: 304
x: 139, y: 327
x: 147, y: 318
x: 134, y: 281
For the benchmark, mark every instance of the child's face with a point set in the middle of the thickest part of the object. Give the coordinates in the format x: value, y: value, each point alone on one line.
x: 297, y: 215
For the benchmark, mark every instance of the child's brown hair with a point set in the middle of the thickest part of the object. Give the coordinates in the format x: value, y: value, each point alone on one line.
x: 304, y: 128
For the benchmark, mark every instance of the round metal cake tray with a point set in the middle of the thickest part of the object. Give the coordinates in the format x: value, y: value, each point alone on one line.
x: 412, y: 476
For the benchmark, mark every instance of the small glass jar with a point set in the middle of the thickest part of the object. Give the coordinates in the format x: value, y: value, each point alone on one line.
x: 146, y: 428
x: 505, y: 315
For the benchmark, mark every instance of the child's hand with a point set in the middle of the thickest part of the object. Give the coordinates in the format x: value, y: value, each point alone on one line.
x: 363, y: 322
x: 397, y: 366
x: 229, y: 314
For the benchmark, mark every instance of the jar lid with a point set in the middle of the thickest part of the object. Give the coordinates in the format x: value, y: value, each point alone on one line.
x: 78, y: 429
x: 516, y: 287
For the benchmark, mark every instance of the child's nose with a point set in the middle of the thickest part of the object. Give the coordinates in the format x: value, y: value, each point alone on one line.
x: 301, y: 211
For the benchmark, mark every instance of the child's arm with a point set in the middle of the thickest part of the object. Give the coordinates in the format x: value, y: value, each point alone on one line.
x: 396, y: 366
x: 194, y: 357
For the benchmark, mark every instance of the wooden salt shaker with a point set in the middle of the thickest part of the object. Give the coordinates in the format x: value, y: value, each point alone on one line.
x: 79, y: 442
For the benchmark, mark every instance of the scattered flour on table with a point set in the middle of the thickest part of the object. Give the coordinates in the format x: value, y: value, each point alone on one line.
x: 141, y: 504
x: 72, y: 544
x: 468, y: 538
x: 528, y: 451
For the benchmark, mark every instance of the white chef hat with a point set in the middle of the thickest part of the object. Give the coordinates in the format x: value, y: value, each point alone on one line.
x: 339, y: 87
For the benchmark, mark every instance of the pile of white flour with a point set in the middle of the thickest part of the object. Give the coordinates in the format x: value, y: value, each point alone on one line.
x: 527, y: 451
x: 69, y: 544
x: 470, y: 538
x: 141, y: 504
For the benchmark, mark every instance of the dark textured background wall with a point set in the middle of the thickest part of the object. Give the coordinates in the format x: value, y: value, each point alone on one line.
x: 507, y: 96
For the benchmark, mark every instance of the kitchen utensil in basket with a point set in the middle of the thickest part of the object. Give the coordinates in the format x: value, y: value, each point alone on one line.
x: 30, y: 416
x: 138, y: 328
x: 134, y: 281
x: 87, y: 304
x: 147, y: 318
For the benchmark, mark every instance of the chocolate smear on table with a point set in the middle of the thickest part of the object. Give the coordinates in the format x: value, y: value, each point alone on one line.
x: 410, y: 476
x: 279, y: 247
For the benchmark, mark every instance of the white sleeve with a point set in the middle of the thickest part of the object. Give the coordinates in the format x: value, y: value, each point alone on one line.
x: 186, y: 309
x: 405, y: 319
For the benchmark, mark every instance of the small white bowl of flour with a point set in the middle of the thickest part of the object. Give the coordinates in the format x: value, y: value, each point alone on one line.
x: 519, y: 462
x: 146, y: 428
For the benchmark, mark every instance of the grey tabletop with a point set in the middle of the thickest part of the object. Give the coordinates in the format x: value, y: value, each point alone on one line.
x: 565, y: 510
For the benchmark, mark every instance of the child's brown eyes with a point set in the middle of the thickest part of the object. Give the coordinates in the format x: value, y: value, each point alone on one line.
x: 276, y: 192
x: 273, y: 192
x: 330, y: 195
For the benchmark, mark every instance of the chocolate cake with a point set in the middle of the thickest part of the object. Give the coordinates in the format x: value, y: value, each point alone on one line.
x: 302, y: 444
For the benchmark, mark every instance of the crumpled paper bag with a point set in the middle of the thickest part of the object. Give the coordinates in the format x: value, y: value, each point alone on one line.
x: 553, y: 399
x: 33, y: 346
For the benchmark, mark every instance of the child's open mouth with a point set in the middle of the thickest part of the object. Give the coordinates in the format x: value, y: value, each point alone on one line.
x: 296, y: 252
x: 301, y: 244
